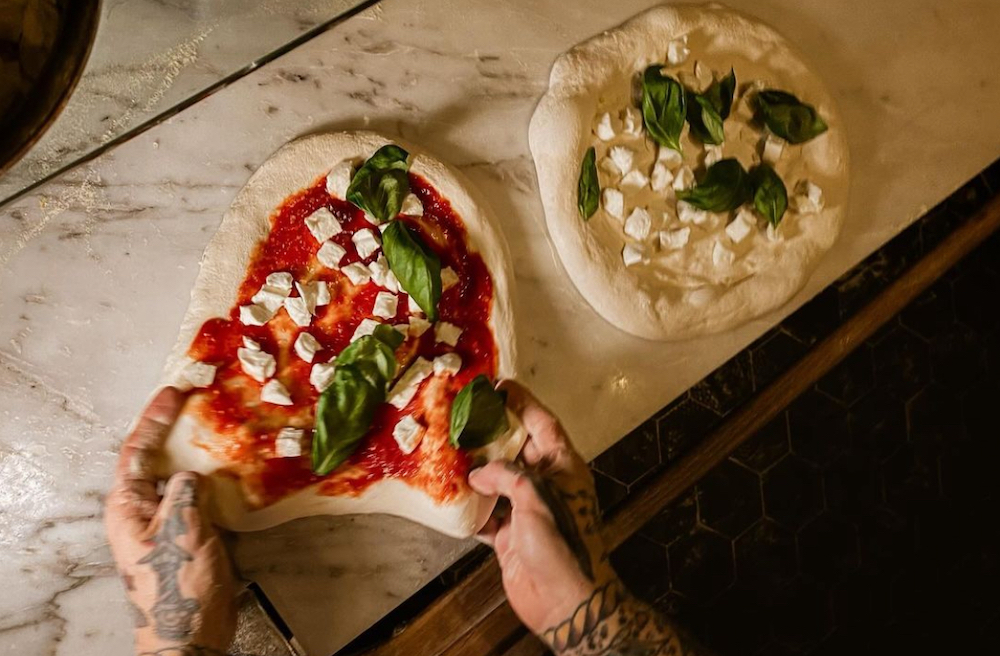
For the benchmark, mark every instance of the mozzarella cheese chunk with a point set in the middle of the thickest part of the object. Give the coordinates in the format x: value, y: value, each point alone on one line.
x: 683, y: 179
x: 330, y: 254
x: 774, y: 233
x: 257, y: 364
x: 272, y: 294
x: 365, y: 242
x: 448, y: 364
x: 315, y: 294
x: 447, y: 333
x: 306, y: 346
x: 712, y: 155
x: 622, y: 157
x: 406, y: 387
x: 614, y: 202
x: 199, y: 374
x: 632, y: 255
x: 670, y: 157
x: 339, y: 179
x: 674, y: 239
x: 448, y: 278
x: 275, y: 393
x: 722, y: 256
x: 411, y: 207
x: 250, y: 344
x: 254, y: 315
x: 678, y: 51
x: 290, y: 443
x: 298, y: 311
x: 701, y: 296
x: 662, y: 177
x: 741, y: 226
x: 688, y: 213
x: 808, y: 198
x: 382, y: 275
x: 638, y: 224
x: 773, y: 147
x: 703, y: 74
x: 323, y: 224
x: 419, y: 326
x: 365, y: 328
x: 321, y: 375
x: 609, y: 167
x: 631, y: 121
x: 385, y: 305
x: 635, y: 179
x: 408, y: 432
x: 605, y: 130
x: 280, y: 281
x: 357, y: 273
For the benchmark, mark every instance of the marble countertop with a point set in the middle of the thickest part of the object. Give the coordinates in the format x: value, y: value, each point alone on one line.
x: 95, y: 269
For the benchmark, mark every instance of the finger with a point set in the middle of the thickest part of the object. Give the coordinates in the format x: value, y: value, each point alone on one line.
x: 181, y: 493
x: 488, y: 533
x: 546, y: 437
x: 500, y: 478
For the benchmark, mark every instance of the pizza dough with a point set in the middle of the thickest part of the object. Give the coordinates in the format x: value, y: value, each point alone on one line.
x: 296, y: 166
x: 696, y: 289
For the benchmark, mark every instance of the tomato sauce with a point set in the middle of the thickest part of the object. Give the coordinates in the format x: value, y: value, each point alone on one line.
x: 245, y: 428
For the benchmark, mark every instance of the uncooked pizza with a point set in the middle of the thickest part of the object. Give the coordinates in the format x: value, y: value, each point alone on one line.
x: 345, y: 331
x: 692, y: 169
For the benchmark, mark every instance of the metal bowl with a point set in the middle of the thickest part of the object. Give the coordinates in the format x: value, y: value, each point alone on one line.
x: 47, y: 96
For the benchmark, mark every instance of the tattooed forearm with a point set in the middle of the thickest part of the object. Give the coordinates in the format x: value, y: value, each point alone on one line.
x: 190, y: 650
x: 612, y: 623
x: 557, y: 502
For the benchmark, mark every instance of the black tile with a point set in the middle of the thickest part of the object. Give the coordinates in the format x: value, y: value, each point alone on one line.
x: 727, y: 387
x: 991, y: 176
x: 902, y: 363
x: 677, y: 519
x: 766, y: 558
x: 701, y: 565
x: 828, y: 548
x: 683, y: 425
x: 634, y: 456
x: 739, y: 622
x: 932, y: 314
x: 979, y: 410
x: 957, y: 358
x: 973, y: 292
x: 803, y: 615
x: 642, y: 566
x: 862, y: 283
x: 818, y: 428
x: 816, y: 319
x: 878, y: 423
x: 861, y: 603
x: 793, y: 492
x: 937, y: 224
x: 852, y: 484
x: 610, y: 493
x: 851, y: 379
x: 887, y: 541
x: 765, y: 448
x: 935, y: 417
x: 970, y: 197
x: 910, y: 477
x: 729, y: 498
x: 774, y: 357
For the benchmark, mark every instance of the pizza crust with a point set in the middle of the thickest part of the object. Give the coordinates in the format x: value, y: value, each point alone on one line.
x: 688, y: 299
x: 295, y: 166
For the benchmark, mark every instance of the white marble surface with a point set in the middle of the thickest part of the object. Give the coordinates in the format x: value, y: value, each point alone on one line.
x: 95, y: 269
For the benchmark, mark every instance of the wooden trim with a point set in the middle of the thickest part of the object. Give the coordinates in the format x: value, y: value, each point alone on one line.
x: 473, y: 619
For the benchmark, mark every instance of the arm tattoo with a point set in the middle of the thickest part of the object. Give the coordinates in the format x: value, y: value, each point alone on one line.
x: 611, y: 623
x: 557, y: 502
x: 191, y: 650
x: 172, y: 612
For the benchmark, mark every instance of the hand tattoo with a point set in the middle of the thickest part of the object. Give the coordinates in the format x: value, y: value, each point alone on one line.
x: 173, y: 612
x: 190, y: 650
x: 611, y: 623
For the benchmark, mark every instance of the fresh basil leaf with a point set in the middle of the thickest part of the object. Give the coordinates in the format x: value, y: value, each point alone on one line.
x: 343, y: 415
x: 374, y: 356
x: 724, y: 187
x: 382, y: 183
x: 663, y: 107
x: 704, y: 119
x: 588, y: 192
x: 721, y: 93
x: 788, y: 117
x: 770, y: 198
x: 478, y: 414
x: 416, y: 267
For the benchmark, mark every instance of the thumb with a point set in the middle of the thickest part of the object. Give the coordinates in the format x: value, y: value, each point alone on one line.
x: 500, y: 478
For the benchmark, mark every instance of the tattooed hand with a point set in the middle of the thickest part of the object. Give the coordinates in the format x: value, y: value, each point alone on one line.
x: 548, y: 540
x: 177, y: 574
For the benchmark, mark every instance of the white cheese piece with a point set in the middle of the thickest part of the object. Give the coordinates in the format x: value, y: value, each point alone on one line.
x: 276, y: 393
x: 678, y: 51
x: 608, y: 166
x: 688, y: 213
x: 406, y: 387
x: 257, y: 364
x: 741, y: 227
x: 662, y: 177
x: 330, y: 254
x: 674, y: 239
x: 309, y: 292
x: 773, y: 147
x: 448, y: 364
x: 638, y: 224
x: 290, y: 443
x: 635, y: 179
x: 411, y: 207
x: 631, y: 121
x: 382, y: 275
x: 448, y: 278
x: 385, y: 305
x: 605, y: 130
x: 339, y: 179
x: 774, y: 233
x: 632, y: 255
x: 614, y: 202
x: 622, y: 157
x: 701, y: 296
x: 670, y: 157
x: 321, y: 375
x: 808, y: 198
x: 408, y: 432
x: 722, y: 256
x: 419, y: 326
x: 250, y: 344
x: 280, y: 281
x: 322, y: 293
x: 298, y: 310
x: 713, y: 154
x: 254, y: 315
x: 306, y: 346
x: 323, y: 224
x: 199, y: 374
x: 683, y: 179
x: 365, y: 328
x: 703, y: 74
x: 357, y: 273
x: 447, y: 333
x: 366, y: 242
x: 392, y: 282
x: 272, y: 294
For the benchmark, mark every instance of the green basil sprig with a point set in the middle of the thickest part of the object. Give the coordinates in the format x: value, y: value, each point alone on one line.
x: 589, y: 187
x: 770, y: 198
x: 478, y: 415
x: 707, y: 111
x: 347, y: 407
x: 788, y: 117
x: 724, y: 187
x: 416, y: 267
x: 663, y: 107
x: 382, y: 183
